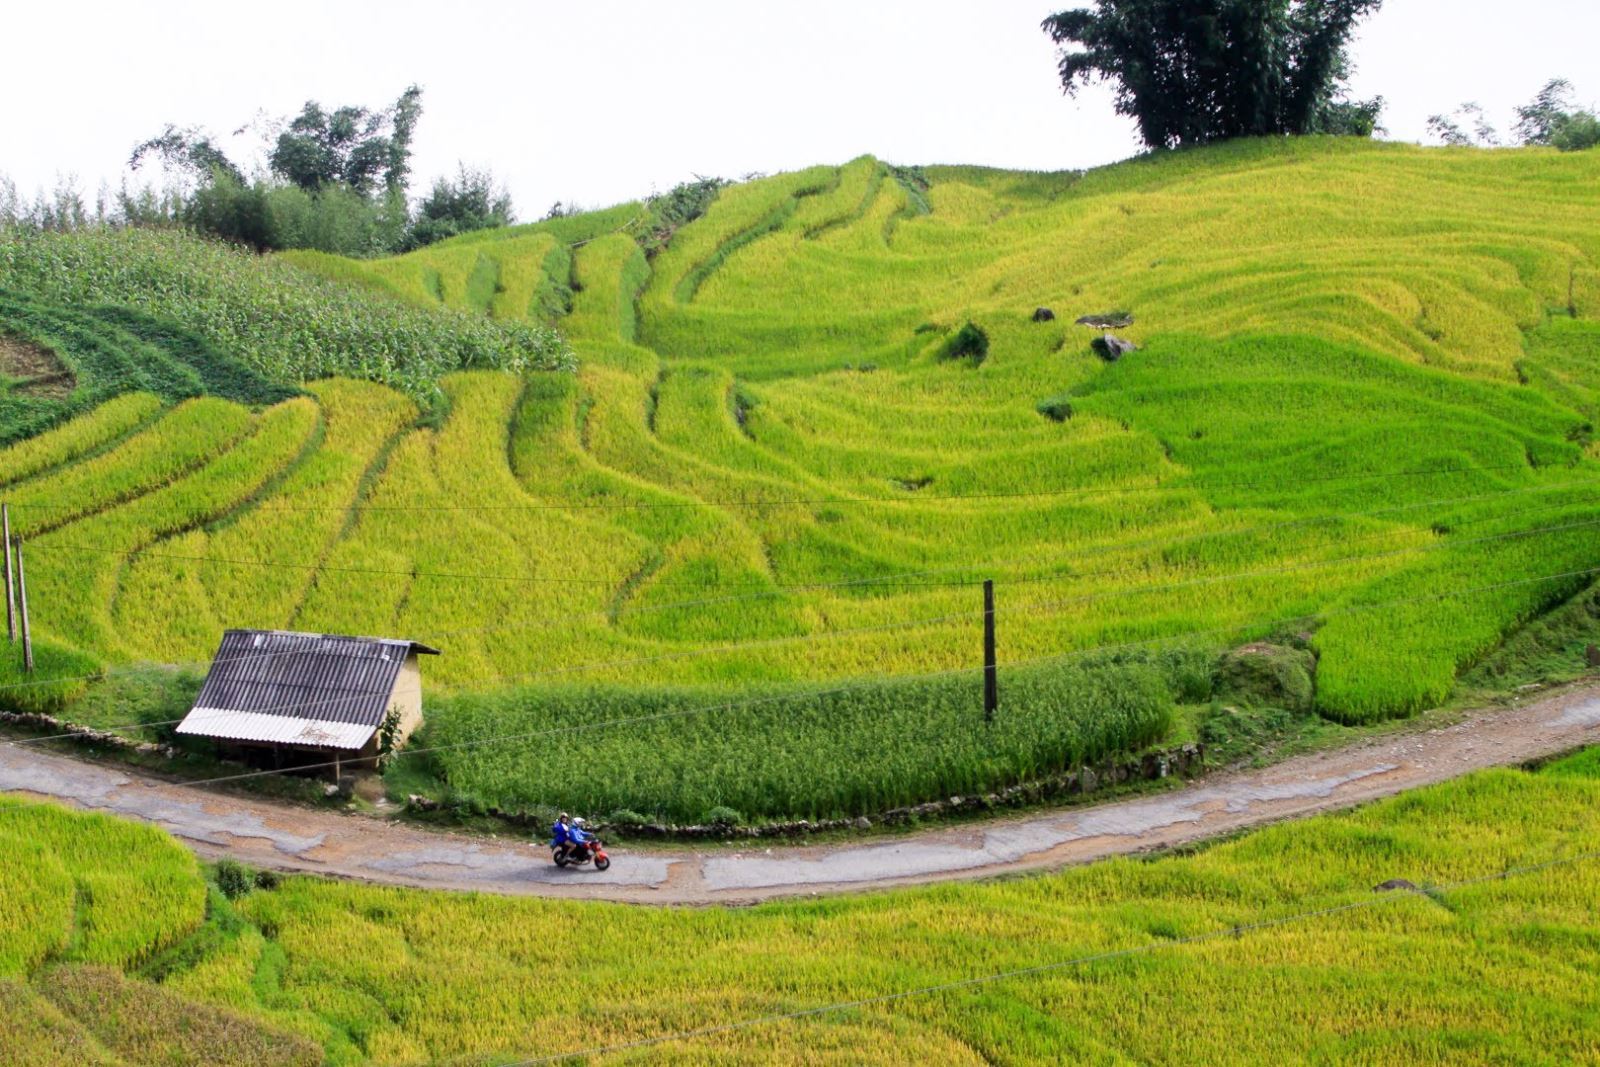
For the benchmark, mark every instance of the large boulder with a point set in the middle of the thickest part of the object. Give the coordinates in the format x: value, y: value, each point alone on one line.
x: 1112, y: 348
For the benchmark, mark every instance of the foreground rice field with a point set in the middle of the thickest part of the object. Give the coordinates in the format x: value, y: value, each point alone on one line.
x: 1269, y: 948
x: 1363, y: 414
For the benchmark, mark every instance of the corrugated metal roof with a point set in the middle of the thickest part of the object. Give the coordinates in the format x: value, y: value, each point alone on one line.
x: 326, y: 690
x: 279, y: 729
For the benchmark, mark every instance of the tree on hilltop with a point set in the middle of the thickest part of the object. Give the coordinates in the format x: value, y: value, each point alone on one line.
x: 1195, y: 71
x: 473, y: 201
x: 1551, y: 119
x: 334, y: 180
x: 354, y: 146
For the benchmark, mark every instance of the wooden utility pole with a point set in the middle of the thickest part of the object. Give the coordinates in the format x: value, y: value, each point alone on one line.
x: 22, y: 590
x: 991, y: 681
x: 11, y: 585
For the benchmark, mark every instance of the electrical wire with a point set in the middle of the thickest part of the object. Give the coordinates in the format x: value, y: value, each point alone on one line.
x: 895, y: 579
x: 773, y: 502
x: 1025, y: 608
x: 864, y: 683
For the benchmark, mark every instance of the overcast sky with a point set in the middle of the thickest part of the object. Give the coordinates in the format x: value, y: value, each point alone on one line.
x: 596, y: 103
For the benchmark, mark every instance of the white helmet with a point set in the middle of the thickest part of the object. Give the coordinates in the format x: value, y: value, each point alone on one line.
x: 580, y: 821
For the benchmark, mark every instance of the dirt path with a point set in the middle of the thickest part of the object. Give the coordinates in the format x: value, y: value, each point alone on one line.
x: 355, y: 846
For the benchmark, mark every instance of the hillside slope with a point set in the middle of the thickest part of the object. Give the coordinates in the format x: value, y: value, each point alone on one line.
x: 1363, y: 412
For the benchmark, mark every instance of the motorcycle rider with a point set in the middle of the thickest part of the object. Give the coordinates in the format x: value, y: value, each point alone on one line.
x: 561, y: 835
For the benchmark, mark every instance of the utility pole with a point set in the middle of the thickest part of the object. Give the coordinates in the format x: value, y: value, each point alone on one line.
x: 22, y: 588
x: 991, y: 681
x: 11, y: 586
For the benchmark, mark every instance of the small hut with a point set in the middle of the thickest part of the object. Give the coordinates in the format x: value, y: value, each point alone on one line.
x: 322, y: 696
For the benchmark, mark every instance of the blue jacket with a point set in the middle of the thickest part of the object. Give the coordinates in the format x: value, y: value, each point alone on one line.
x: 562, y: 832
x: 579, y: 836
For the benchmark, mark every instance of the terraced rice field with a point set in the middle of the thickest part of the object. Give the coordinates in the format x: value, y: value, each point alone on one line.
x: 1269, y: 948
x: 1363, y: 410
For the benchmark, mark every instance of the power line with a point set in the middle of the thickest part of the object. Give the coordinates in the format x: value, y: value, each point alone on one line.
x: 864, y: 683
x: 757, y: 502
x: 1026, y: 607
x: 529, y: 579
x: 570, y: 618
x: 1307, y: 565
x: 898, y: 579
x: 904, y: 624
x: 1236, y: 930
x: 1035, y: 606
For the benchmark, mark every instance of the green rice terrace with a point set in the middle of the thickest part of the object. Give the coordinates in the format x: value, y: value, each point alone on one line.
x: 741, y: 494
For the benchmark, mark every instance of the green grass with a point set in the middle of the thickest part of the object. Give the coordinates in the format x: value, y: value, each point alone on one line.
x: 858, y: 751
x: 1364, y: 409
x: 1497, y: 971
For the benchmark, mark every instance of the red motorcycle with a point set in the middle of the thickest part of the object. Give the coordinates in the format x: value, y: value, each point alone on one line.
x: 591, y: 851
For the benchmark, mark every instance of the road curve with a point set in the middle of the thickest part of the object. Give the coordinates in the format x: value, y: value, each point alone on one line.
x: 292, y: 838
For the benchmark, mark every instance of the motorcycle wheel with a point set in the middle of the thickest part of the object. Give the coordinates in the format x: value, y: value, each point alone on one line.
x: 561, y: 859
x: 601, y: 863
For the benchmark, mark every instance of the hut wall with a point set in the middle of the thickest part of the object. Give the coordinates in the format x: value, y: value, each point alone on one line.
x: 407, y: 698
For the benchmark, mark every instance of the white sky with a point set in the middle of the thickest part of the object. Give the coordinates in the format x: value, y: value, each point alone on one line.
x: 596, y: 103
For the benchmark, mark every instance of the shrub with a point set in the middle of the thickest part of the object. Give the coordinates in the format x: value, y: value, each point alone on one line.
x: 1056, y: 409
x: 722, y: 818
x: 625, y: 817
x: 679, y: 206
x: 233, y: 879
x: 1269, y: 675
x: 970, y: 343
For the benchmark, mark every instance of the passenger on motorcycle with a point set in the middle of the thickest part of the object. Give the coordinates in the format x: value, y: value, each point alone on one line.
x: 579, y: 837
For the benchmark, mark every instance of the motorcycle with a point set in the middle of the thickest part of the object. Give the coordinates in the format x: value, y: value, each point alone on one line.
x: 590, y: 851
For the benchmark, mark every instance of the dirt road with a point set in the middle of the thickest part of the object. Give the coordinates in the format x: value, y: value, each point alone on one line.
x: 357, y: 846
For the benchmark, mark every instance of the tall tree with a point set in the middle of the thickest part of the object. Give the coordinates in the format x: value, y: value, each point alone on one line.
x: 351, y: 145
x: 1193, y: 71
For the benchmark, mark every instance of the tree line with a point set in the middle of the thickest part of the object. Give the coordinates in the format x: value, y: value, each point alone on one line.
x: 1188, y: 72
x: 333, y: 179
x: 1551, y: 119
